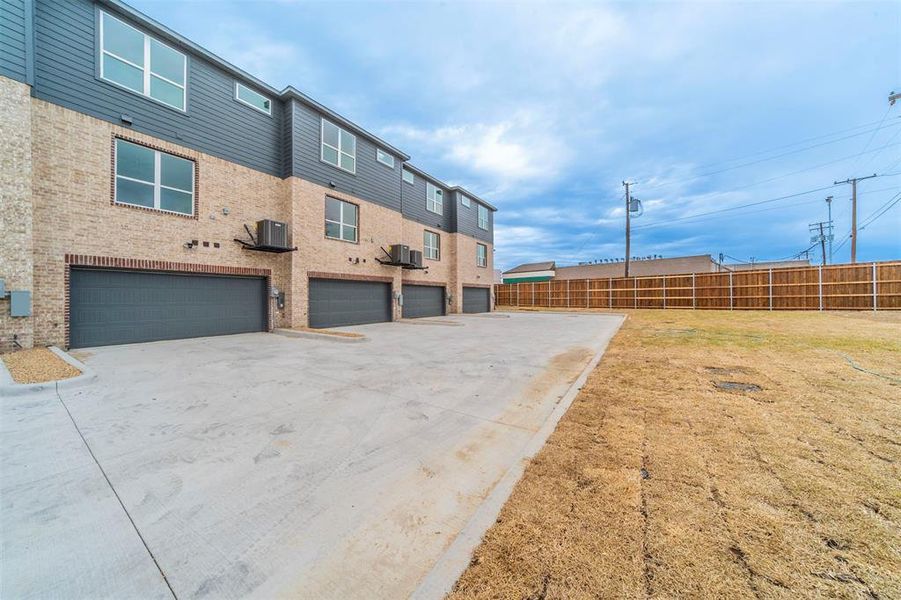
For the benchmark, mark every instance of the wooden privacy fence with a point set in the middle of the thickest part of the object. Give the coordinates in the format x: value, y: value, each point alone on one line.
x: 869, y: 286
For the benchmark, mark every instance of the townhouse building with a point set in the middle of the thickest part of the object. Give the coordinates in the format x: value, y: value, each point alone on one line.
x: 136, y: 166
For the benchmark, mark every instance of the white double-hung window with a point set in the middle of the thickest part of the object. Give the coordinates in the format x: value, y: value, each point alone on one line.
x: 483, y: 217
x: 341, y: 220
x: 431, y: 245
x: 481, y: 255
x: 339, y: 147
x: 434, y: 198
x: 132, y: 59
x: 153, y: 179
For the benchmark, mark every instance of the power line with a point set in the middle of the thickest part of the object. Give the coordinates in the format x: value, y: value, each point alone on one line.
x: 768, y: 158
x: 881, y: 210
x: 870, y: 141
x: 801, y: 141
x: 731, y: 208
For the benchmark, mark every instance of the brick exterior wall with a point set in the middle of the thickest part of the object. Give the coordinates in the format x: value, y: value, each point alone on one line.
x: 16, y: 266
x: 68, y: 192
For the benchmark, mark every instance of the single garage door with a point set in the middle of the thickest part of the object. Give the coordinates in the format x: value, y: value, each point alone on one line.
x: 337, y: 302
x: 125, y: 307
x: 476, y: 300
x: 423, y: 301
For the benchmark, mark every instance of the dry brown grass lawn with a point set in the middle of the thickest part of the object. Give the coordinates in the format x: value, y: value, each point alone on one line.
x: 657, y: 483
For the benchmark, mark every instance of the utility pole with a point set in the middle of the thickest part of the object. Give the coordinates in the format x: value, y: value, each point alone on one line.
x: 829, y: 205
x: 822, y: 243
x: 628, y: 224
x: 853, y: 181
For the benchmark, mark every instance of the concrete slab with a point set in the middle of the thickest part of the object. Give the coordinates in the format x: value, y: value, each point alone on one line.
x: 260, y: 465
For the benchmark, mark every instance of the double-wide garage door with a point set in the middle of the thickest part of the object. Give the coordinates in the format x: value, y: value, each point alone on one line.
x: 476, y: 300
x: 338, y: 302
x: 124, y: 307
x: 423, y: 301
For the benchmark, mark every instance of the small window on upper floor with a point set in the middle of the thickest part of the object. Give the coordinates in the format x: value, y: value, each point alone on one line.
x: 409, y: 177
x: 483, y: 217
x: 384, y: 158
x: 153, y: 179
x: 465, y: 200
x: 434, y: 198
x: 131, y: 59
x: 245, y: 95
x: 339, y: 147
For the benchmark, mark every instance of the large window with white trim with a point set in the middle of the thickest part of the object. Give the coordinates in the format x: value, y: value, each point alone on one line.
x: 483, y: 217
x: 339, y: 147
x: 341, y: 220
x: 434, y: 198
x: 153, y: 179
x: 132, y: 59
x: 431, y: 245
x: 481, y: 255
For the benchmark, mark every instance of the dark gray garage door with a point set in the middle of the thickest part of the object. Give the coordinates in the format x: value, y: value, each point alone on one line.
x: 476, y: 300
x: 337, y: 302
x: 125, y: 307
x: 423, y: 301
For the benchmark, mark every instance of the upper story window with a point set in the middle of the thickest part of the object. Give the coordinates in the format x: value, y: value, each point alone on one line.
x: 409, y: 177
x: 247, y: 96
x: 465, y: 200
x: 341, y: 222
x: 384, y: 158
x: 138, y: 62
x: 153, y: 179
x: 339, y: 147
x: 431, y: 245
x: 434, y: 198
x: 481, y: 255
x: 483, y: 217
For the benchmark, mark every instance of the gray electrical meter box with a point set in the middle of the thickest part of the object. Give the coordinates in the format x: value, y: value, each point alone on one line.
x: 19, y: 304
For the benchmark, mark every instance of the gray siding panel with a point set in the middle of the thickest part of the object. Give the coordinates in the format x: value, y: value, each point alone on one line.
x: 373, y: 181
x: 12, y: 39
x: 414, y: 205
x: 468, y: 221
x: 215, y: 122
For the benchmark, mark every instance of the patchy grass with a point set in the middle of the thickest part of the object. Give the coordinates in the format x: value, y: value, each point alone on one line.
x: 658, y: 483
x: 38, y: 365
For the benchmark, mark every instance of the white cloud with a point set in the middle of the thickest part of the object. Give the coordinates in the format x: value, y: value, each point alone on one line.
x: 522, y: 149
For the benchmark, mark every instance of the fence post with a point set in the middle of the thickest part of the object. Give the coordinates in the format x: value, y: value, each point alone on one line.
x: 874, y: 288
x: 820, y: 284
x: 664, y: 291
x: 693, y: 291
x: 533, y: 293
x: 635, y: 292
x: 567, y: 293
x: 610, y: 291
x: 587, y: 293
x: 548, y: 294
x: 771, y: 288
x: 730, y: 290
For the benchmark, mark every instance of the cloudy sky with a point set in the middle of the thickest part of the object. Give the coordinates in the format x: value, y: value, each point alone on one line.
x: 544, y: 108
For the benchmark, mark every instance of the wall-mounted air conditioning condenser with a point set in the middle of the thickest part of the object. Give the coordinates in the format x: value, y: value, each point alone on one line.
x: 416, y: 258
x: 400, y: 254
x: 272, y: 234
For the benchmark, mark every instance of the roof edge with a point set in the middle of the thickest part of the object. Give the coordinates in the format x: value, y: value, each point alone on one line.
x: 289, y: 92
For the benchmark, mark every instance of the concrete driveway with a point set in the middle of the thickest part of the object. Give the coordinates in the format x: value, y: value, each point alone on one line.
x: 260, y: 465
